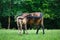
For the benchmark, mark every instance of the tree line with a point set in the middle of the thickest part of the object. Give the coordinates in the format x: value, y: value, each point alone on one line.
x: 10, y: 9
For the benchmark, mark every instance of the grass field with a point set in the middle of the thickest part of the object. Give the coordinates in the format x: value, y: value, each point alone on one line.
x: 6, y: 34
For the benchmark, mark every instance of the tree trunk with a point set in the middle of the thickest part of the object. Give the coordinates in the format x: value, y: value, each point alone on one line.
x: 9, y: 22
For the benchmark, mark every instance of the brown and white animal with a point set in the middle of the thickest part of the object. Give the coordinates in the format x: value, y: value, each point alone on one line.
x: 22, y: 23
x: 31, y: 18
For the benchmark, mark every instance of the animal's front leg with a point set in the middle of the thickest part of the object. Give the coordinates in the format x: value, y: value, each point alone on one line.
x: 26, y: 28
x: 38, y: 27
x: 23, y: 29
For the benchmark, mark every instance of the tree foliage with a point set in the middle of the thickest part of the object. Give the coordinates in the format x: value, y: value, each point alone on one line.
x: 50, y: 8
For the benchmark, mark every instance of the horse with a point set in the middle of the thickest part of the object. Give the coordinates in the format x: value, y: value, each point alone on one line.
x: 31, y: 18
x: 22, y: 23
x: 37, y: 19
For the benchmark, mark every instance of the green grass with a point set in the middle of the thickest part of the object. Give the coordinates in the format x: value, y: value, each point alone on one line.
x: 6, y: 34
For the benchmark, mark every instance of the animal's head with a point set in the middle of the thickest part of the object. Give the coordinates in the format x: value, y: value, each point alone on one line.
x: 25, y: 14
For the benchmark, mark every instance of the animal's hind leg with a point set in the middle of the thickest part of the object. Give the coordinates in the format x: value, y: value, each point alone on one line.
x: 42, y: 25
x: 20, y: 28
x: 18, y: 25
x: 43, y: 29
